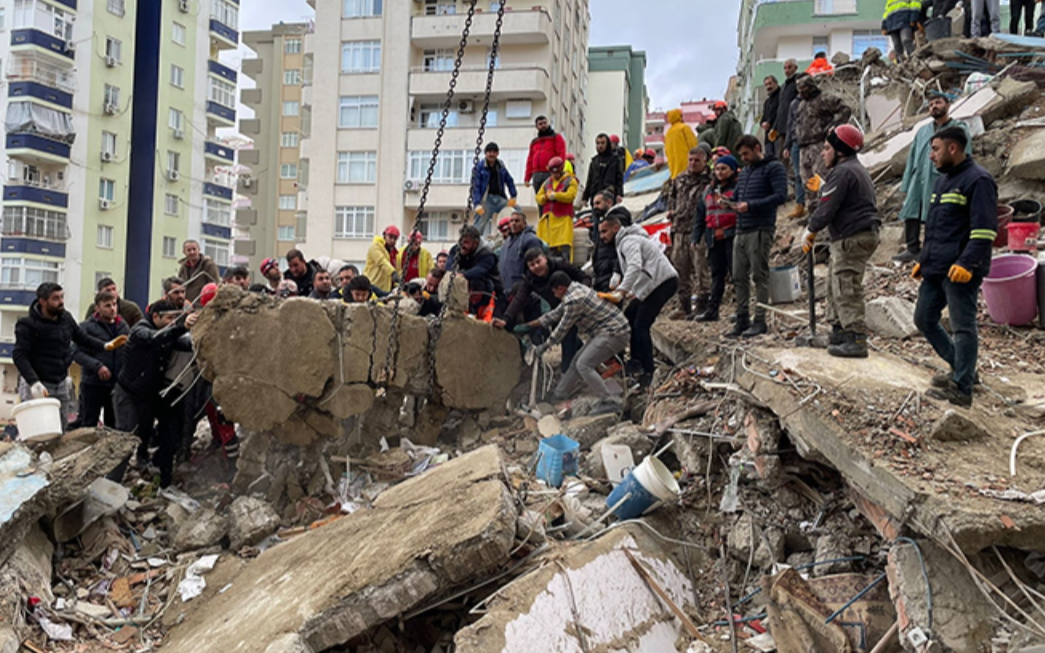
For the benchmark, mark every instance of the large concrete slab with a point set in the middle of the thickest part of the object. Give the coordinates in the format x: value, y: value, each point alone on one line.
x: 595, y: 591
x: 448, y: 527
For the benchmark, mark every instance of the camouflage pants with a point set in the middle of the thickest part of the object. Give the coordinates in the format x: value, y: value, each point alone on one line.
x: 812, y: 165
x: 691, y: 262
x: 845, y: 287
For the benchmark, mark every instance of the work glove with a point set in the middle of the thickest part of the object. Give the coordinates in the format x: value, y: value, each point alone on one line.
x: 814, y: 184
x: 480, y: 210
x: 512, y: 202
x: 808, y: 241
x: 612, y: 297
x: 521, y: 328
x: 773, y: 135
x: 116, y: 343
x: 958, y: 274
x: 916, y: 273
x: 38, y: 391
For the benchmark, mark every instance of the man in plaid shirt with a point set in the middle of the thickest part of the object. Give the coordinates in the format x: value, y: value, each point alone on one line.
x: 602, y: 325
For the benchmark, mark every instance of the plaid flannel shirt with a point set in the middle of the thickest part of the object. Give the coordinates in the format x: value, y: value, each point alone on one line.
x: 582, y: 307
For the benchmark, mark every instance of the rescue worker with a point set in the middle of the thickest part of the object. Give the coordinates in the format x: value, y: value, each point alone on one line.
x: 848, y: 210
x: 381, y: 259
x: 270, y: 270
x: 300, y: 271
x: 770, y: 109
x: 521, y: 239
x: 493, y: 189
x: 547, y: 145
x: 986, y: 17
x: 959, y: 232
x: 787, y: 148
x: 725, y: 130
x: 622, y: 152
x: 604, y: 262
x: 820, y: 65
x: 100, y: 368
x: 678, y: 141
x: 604, y: 171
x: 715, y: 227
x: 920, y: 175
x: 196, y: 269
x: 322, y: 286
x: 817, y: 114
x: 414, y: 261
x: 128, y: 310
x: 638, y: 164
x: 556, y: 197
x: 478, y: 264
x: 690, y: 260
x: 899, y: 21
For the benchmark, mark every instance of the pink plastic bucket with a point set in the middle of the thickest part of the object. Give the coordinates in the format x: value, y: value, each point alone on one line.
x: 1011, y: 289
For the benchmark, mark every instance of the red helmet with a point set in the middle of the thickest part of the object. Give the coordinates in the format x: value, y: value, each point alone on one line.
x: 649, y: 152
x: 555, y: 164
x: 209, y: 292
x: 393, y: 231
x: 570, y: 156
x: 720, y: 105
x: 615, y: 139
x: 846, y: 139
x: 504, y: 222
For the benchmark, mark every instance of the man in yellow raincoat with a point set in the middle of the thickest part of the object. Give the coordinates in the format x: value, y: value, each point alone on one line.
x: 381, y: 260
x: 557, y: 196
x: 678, y: 141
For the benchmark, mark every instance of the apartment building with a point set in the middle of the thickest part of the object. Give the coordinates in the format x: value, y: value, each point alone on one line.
x: 71, y: 71
x: 619, y: 101
x: 374, y: 76
x: 269, y: 220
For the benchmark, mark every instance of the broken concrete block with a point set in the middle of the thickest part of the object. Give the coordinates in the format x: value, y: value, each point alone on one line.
x: 769, y: 542
x: 626, y: 434
x: 201, y: 529
x: 1027, y: 158
x: 588, y: 430
x: 290, y: 643
x: 10, y: 642
x: 337, y: 582
x: 961, y: 615
x: 959, y: 426
x: 250, y: 521
x: 476, y: 365
x: 832, y: 546
x: 1011, y: 97
x: 891, y: 317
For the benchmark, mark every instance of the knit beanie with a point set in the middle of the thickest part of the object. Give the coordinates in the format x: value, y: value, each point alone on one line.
x: 728, y: 160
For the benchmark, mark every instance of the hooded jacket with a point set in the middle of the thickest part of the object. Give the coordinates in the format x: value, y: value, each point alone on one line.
x: 43, y: 348
x: 644, y: 266
x: 604, y: 262
x: 545, y: 147
x: 424, y: 263
x: 513, y: 263
x: 143, y: 361
x: 93, y: 362
x: 604, y: 172
x: 763, y: 185
x: 848, y: 203
x: 532, y: 284
x: 788, y: 92
x: 207, y: 271
x: 727, y: 131
x: 480, y: 265
x: 380, y: 264
x: 678, y: 141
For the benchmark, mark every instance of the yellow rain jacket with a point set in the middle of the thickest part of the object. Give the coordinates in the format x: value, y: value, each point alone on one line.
x: 678, y: 141
x: 424, y: 264
x: 555, y: 227
x: 379, y: 267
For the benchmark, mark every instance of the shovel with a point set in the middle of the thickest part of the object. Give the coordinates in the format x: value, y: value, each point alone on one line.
x: 812, y: 340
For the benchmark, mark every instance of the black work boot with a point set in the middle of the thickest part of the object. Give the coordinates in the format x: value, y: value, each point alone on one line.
x: 950, y: 393
x: 742, y: 324
x: 912, y: 230
x: 702, y: 303
x: 837, y: 335
x: 684, y: 311
x: 710, y: 314
x: 854, y: 345
x: 757, y: 328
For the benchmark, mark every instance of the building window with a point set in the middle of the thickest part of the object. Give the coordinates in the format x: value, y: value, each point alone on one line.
x: 217, y: 212
x: 173, y: 161
x: 285, y: 233
x: 436, y: 225
x: 109, y: 144
x: 26, y: 273
x: 518, y: 109
x: 292, y: 46
x: 834, y: 7
x: 865, y: 38
x: 452, y: 166
x: 178, y: 33
x: 170, y: 204
x: 226, y: 13
x: 221, y: 92
x: 107, y: 189
x: 288, y: 202
x: 292, y: 108
x: 218, y: 251
x: 431, y: 114
x: 440, y: 7
x: 288, y: 171
x: 114, y: 48
x: 354, y: 222
x: 292, y: 77
x: 361, y: 8
x: 31, y: 222
x: 361, y: 57
x: 105, y: 233
x: 45, y: 17
x: 177, y: 76
x: 435, y: 61
x: 170, y: 247
x: 112, y: 96
x: 289, y: 139
x: 356, y: 167
x: 116, y: 7
x: 820, y: 44
x: 358, y: 111
x: 174, y: 119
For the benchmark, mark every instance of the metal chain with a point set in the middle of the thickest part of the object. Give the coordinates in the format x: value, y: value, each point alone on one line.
x: 495, y: 47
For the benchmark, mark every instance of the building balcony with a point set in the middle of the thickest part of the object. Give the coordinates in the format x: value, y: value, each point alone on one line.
x: 252, y: 68
x: 250, y: 96
x: 245, y: 248
x: 222, y: 36
x: 41, y: 69
x: 246, y: 217
x: 250, y: 127
x: 20, y: 192
x: 68, y: 3
x: 654, y: 139
x: 28, y: 223
x: 523, y: 82
x: 38, y: 91
x: 219, y: 153
x: 220, y: 115
x: 529, y: 26
x: 17, y: 297
x: 218, y: 191
x: 36, y: 150
x: 250, y: 158
x: 33, y: 39
x: 221, y: 70
x: 805, y: 12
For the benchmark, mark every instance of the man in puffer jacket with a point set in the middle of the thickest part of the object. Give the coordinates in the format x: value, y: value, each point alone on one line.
x: 716, y: 228
x: 101, y: 368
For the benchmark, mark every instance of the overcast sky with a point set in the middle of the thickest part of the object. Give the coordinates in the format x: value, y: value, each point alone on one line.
x: 690, y: 54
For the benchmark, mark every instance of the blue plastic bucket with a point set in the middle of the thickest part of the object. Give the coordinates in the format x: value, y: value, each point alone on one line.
x: 646, y: 486
x: 556, y: 458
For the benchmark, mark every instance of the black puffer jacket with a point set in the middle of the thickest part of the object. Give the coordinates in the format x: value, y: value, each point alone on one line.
x: 93, y: 362
x: 532, y: 284
x: 144, y: 359
x: 604, y: 261
x: 43, y: 348
x: 604, y: 171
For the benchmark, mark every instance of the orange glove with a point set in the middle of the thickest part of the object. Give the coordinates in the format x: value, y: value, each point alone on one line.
x: 512, y: 202
x: 814, y: 183
x: 808, y: 241
x: 479, y: 210
x: 958, y: 274
x: 612, y: 297
x: 916, y: 273
x: 116, y: 343
x: 773, y: 135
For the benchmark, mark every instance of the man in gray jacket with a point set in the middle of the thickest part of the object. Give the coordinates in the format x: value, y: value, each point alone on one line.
x: 648, y: 280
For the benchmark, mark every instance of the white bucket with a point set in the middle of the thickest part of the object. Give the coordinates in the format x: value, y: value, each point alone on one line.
x: 39, y: 420
x: 657, y: 478
x: 785, y: 285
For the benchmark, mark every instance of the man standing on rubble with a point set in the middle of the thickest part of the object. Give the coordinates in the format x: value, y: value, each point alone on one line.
x: 848, y: 210
x: 300, y: 271
x: 196, y: 270
x: 604, y: 171
x: 547, y: 145
x: 770, y: 109
x: 604, y: 262
x: 959, y: 233
x: 100, y: 368
x: 690, y: 259
x: 125, y: 308
x: 817, y: 114
x: 521, y: 239
x: 478, y: 265
x: 678, y: 141
x: 899, y: 21
x: 920, y: 175
x: 381, y: 260
x: 492, y: 189
x: 787, y: 147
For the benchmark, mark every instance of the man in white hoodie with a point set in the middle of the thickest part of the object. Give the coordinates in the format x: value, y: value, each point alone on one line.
x: 648, y: 280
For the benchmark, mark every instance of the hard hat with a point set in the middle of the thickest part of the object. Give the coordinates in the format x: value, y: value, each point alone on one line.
x: 846, y: 139
x: 555, y: 164
x: 720, y: 105
x: 570, y: 156
x: 392, y: 230
x: 638, y: 153
x: 268, y: 264
x: 209, y: 292
x: 649, y: 152
x: 503, y: 222
x: 615, y: 139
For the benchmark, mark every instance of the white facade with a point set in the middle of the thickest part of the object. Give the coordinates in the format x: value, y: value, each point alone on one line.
x: 608, y: 110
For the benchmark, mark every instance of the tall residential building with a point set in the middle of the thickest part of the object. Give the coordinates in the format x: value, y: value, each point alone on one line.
x: 617, y: 91
x: 270, y: 220
x: 376, y: 74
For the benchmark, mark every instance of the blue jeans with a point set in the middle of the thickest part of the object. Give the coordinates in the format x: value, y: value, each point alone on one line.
x: 960, y: 300
x: 796, y: 161
x: 492, y: 204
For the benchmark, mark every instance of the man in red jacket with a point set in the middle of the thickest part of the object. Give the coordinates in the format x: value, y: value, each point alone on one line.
x: 545, y: 147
